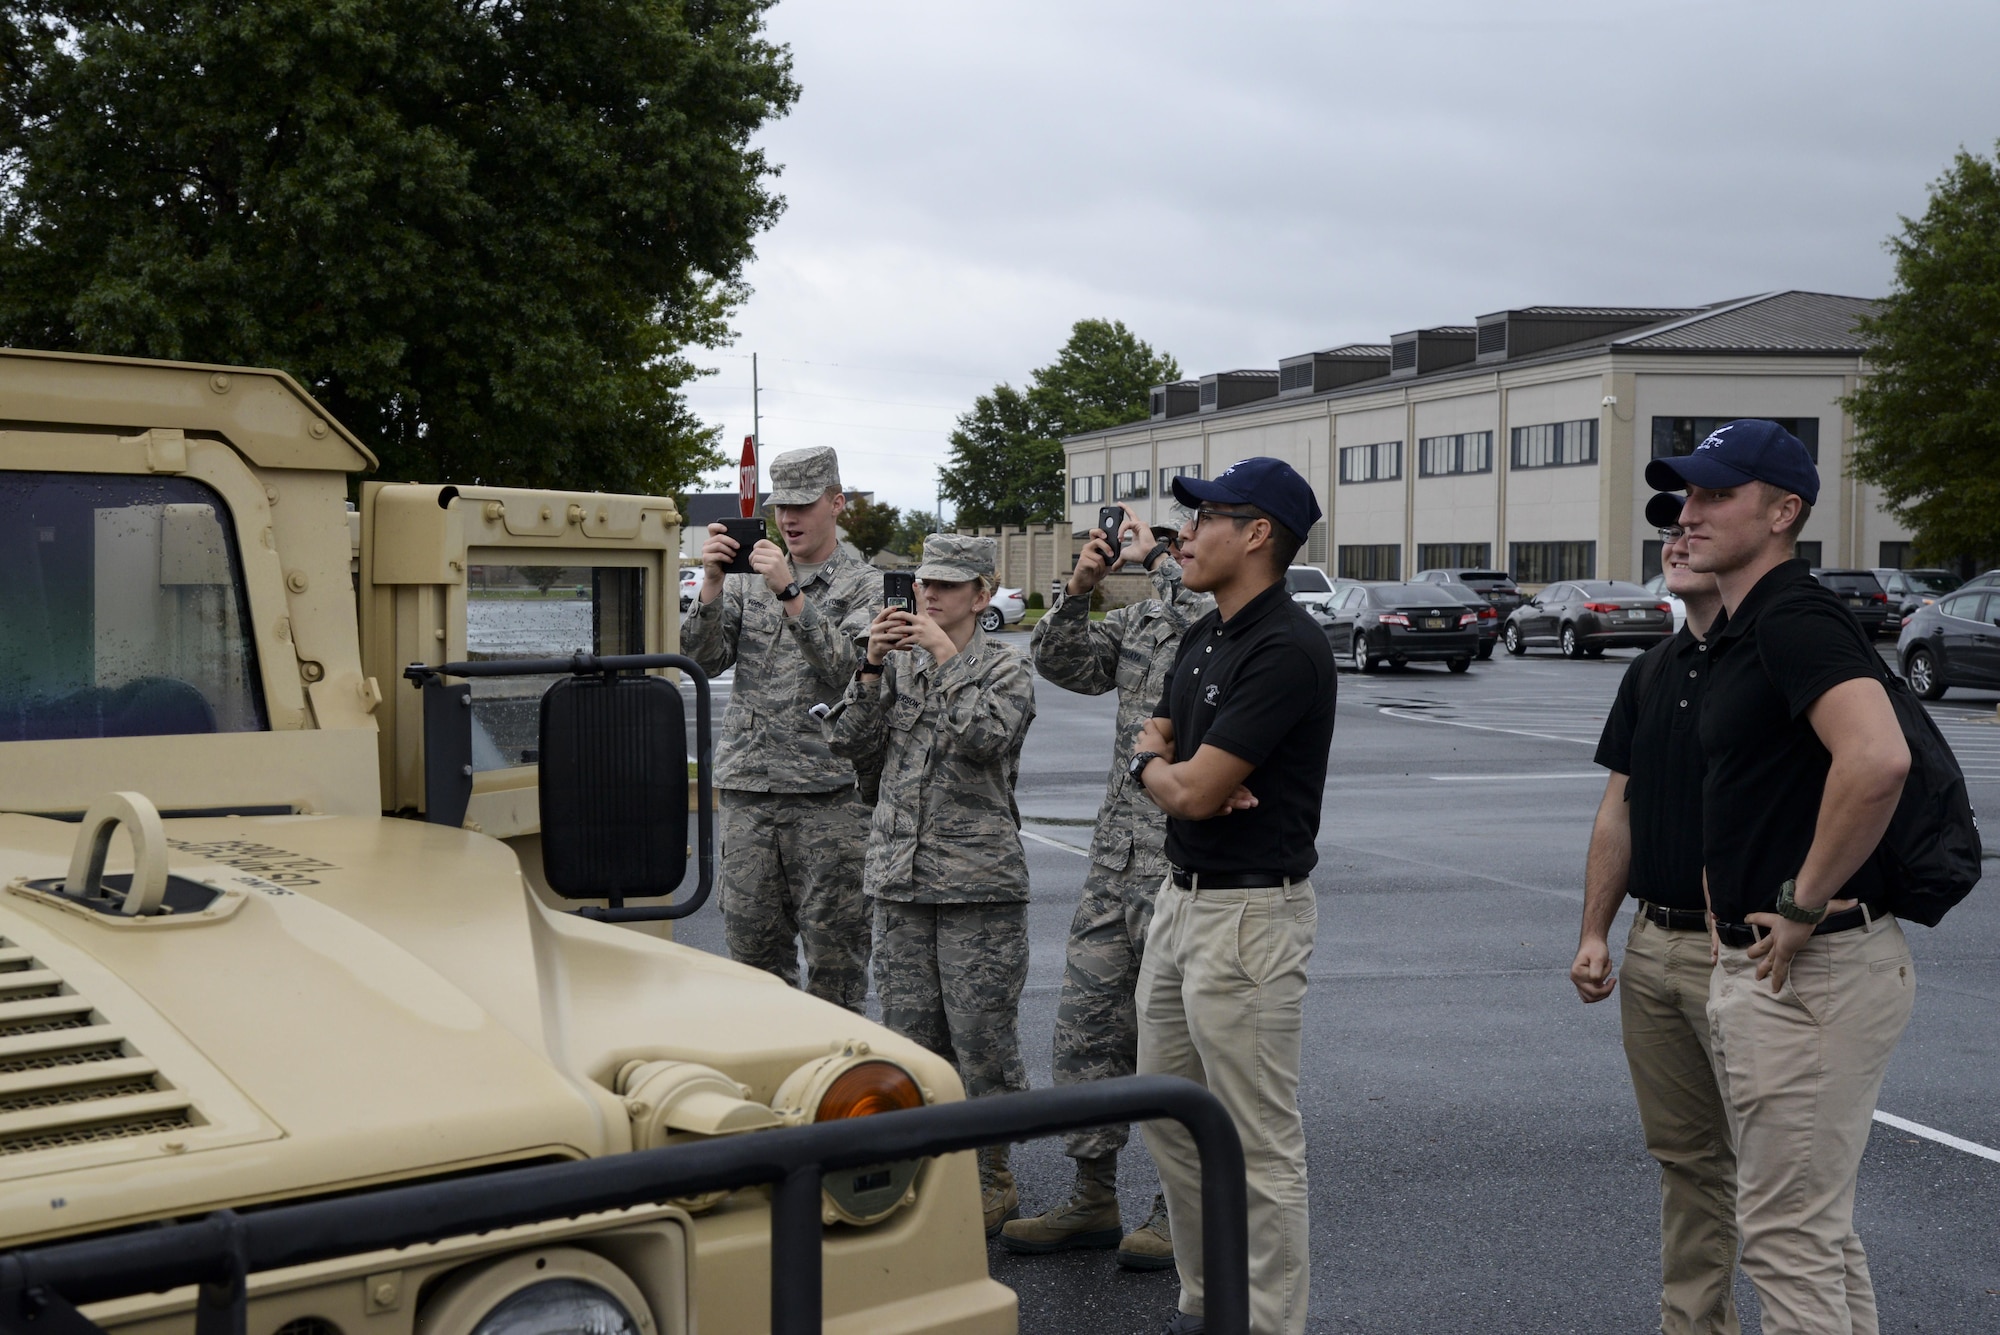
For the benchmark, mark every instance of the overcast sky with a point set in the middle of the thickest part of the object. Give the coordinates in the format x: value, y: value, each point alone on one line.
x: 1241, y: 182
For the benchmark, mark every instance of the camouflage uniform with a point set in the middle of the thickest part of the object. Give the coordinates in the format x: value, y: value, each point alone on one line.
x: 945, y: 867
x: 793, y: 825
x: 1131, y: 651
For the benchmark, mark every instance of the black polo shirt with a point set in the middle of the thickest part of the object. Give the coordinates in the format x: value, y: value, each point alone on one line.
x: 1651, y: 736
x: 1261, y: 687
x: 1789, y: 643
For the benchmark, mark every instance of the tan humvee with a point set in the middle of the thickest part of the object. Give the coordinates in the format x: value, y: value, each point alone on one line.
x: 302, y: 991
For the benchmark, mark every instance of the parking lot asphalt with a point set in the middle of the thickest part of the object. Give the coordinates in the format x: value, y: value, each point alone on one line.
x: 1475, y: 1154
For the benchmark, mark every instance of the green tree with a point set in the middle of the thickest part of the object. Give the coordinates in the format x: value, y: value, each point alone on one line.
x: 911, y: 530
x: 1006, y: 455
x: 871, y: 527
x: 481, y: 233
x: 1928, y: 415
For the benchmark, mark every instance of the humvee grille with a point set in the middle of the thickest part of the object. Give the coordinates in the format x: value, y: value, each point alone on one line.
x: 89, y: 1135
x: 66, y: 1076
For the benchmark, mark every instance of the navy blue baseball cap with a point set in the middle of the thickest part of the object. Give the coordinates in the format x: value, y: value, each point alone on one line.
x: 1664, y: 510
x: 1747, y: 450
x: 1272, y: 485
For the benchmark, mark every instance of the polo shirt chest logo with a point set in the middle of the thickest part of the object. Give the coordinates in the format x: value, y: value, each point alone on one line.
x: 1212, y: 695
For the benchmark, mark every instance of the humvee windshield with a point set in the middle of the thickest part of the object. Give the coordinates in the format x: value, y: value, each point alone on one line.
x: 122, y: 610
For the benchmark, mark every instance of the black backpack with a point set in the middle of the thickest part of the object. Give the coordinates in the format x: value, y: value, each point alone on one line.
x: 1931, y: 849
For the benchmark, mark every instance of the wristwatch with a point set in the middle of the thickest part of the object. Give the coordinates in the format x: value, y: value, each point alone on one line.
x: 1152, y: 558
x: 867, y: 669
x: 1788, y: 905
x: 789, y: 592
x: 1137, y: 767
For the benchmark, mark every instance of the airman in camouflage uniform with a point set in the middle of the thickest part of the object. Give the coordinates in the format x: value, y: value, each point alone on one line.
x: 793, y: 824
x: 1097, y: 1026
x: 946, y: 714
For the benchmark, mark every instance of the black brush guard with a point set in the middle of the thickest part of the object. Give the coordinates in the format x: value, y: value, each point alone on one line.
x: 42, y: 1287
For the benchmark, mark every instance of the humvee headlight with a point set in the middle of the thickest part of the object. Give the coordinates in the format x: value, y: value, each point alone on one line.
x: 547, y: 1291
x: 852, y: 1083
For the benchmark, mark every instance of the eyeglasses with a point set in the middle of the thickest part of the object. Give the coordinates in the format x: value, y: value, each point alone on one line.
x: 1674, y: 534
x: 1208, y: 512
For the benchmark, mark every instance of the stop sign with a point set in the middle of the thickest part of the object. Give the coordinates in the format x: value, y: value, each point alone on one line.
x: 746, y: 487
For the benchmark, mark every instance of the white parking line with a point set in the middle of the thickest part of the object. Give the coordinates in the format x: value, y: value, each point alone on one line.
x: 1064, y: 845
x: 1513, y: 778
x: 1941, y: 1137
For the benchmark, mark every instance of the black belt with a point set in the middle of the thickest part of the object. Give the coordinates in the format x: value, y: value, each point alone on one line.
x: 1674, y: 920
x: 1230, y: 880
x: 1742, y: 934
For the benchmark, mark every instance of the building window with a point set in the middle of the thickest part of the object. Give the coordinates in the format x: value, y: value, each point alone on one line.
x: 1372, y: 463
x: 1453, y: 555
x: 1547, y: 562
x: 1899, y: 555
x: 1208, y: 393
x: 1674, y: 436
x: 1316, y: 545
x: 1807, y: 552
x: 1440, y: 456
x: 1086, y: 490
x: 1556, y: 445
x: 1172, y: 471
x: 1130, y: 486
x: 1652, y: 559
x: 1383, y: 561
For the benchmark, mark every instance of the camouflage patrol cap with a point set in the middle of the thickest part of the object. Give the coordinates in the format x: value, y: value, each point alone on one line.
x: 950, y: 556
x: 800, y: 477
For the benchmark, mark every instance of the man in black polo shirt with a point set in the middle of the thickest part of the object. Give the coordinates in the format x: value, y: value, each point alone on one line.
x: 1813, y: 984
x: 1647, y: 843
x: 1236, y: 756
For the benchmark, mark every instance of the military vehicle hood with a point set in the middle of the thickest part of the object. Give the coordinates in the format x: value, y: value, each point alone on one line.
x: 372, y: 1000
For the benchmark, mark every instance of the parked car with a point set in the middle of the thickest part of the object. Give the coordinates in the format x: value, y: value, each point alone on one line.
x: 1864, y: 597
x: 1496, y: 586
x: 1587, y: 616
x: 1954, y: 641
x: 1482, y: 607
x: 1312, y: 590
x: 1402, y: 623
x: 1007, y: 607
x: 690, y: 586
x: 1657, y: 586
x: 1910, y: 589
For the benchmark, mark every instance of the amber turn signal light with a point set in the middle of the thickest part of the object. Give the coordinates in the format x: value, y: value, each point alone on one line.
x: 868, y: 1088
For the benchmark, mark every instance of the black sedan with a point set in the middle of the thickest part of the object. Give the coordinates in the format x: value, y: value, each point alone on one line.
x: 1585, y: 617
x: 1402, y: 623
x: 1496, y: 586
x: 1953, y: 642
x: 1864, y: 596
x: 1480, y: 606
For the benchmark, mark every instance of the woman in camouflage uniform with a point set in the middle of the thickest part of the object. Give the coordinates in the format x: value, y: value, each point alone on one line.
x: 944, y: 711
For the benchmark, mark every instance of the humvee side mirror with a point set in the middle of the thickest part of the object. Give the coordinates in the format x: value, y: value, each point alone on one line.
x: 613, y: 783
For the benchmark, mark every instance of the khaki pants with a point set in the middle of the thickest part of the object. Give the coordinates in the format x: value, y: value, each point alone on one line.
x: 1221, y: 1001
x: 1800, y: 1071
x: 1663, y: 1004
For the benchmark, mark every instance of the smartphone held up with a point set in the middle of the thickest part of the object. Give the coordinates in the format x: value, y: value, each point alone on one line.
x: 899, y: 589
x: 748, y: 533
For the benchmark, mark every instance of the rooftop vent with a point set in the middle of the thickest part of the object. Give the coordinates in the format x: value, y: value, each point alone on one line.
x: 1505, y: 335
x: 66, y: 1076
x: 1422, y: 351
x: 1231, y: 389
x: 1176, y: 400
x: 1332, y: 368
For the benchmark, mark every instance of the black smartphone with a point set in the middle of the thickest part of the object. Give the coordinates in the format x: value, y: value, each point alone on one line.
x: 748, y: 533
x: 899, y: 589
x: 1109, y: 517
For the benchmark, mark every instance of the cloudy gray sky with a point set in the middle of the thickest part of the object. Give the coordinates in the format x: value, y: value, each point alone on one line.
x: 1242, y: 182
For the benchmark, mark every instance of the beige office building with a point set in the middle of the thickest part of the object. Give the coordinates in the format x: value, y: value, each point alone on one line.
x: 1520, y: 440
